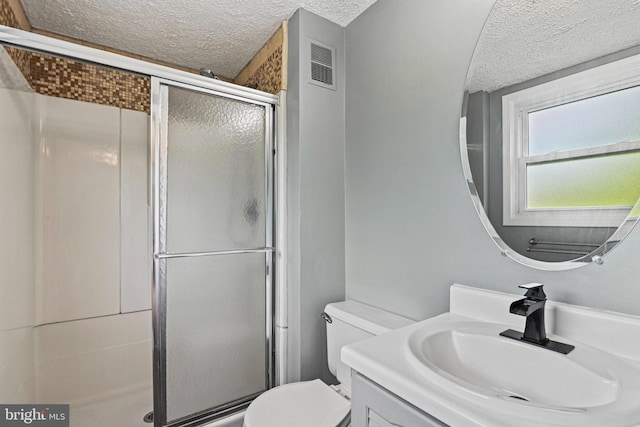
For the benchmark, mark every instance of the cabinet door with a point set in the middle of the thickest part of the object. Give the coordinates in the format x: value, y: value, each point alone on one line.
x: 373, y: 406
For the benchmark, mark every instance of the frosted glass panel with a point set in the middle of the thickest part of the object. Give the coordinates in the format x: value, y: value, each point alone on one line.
x: 215, y: 334
x: 612, y: 180
x: 216, y: 173
x: 601, y: 120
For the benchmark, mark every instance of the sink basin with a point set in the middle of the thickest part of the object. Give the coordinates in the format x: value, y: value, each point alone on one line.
x: 471, y: 359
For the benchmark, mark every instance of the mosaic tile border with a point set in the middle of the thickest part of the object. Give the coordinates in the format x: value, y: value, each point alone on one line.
x: 268, y: 77
x: 64, y: 78
x: 7, y: 17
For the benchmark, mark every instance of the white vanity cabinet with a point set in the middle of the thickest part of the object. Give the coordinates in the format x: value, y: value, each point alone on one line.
x: 373, y: 406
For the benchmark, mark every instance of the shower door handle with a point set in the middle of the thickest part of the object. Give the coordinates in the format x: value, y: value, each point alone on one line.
x: 201, y: 254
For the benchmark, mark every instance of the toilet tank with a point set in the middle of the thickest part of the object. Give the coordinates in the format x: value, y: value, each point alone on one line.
x: 352, y: 321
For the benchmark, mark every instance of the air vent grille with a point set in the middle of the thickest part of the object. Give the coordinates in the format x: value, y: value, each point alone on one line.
x: 321, y: 55
x: 322, y: 65
x: 321, y: 74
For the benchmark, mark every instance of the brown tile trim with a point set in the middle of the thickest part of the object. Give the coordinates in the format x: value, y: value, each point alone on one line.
x: 7, y: 16
x: 21, y: 59
x: 266, y: 68
x: 74, y: 80
x: 19, y: 17
x: 268, y: 77
x: 63, y: 78
x: 68, y: 79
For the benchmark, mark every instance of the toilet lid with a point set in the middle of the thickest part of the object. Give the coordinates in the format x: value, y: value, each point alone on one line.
x: 304, y: 404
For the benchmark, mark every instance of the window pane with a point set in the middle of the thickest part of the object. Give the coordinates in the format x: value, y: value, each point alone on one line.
x: 612, y: 180
x: 601, y: 120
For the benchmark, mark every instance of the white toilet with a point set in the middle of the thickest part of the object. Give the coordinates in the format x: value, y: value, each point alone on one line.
x: 313, y: 403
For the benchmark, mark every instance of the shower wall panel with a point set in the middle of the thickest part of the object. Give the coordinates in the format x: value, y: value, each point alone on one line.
x: 85, y: 360
x: 94, y: 338
x: 17, y: 154
x: 75, y: 253
x: 80, y: 218
x: 17, y: 380
x: 135, y: 233
x: 92, y: 213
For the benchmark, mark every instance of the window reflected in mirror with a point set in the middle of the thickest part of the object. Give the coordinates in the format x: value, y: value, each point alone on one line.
x: 571, y: 149
x: 551, y: 129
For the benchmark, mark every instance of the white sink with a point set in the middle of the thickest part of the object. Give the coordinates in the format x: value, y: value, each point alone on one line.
x: 457, y: 368
x: 471, y: 360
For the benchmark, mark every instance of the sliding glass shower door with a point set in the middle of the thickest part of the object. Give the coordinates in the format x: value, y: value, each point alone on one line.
x: 213, y: 227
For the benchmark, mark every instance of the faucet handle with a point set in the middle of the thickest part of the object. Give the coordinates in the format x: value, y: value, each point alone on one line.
x: 534, y: 291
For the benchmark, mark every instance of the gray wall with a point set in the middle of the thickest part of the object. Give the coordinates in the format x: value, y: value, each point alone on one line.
x: 315, y: 143
x: 411, y: 229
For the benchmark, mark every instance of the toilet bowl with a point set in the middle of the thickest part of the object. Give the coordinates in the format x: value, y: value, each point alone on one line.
x: 304, y: 404
x: 314, y: 403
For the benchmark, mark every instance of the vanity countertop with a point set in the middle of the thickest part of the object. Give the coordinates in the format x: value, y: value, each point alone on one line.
x: 385, y: 359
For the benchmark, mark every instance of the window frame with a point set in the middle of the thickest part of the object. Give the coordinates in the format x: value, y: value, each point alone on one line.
x: 516, y: 106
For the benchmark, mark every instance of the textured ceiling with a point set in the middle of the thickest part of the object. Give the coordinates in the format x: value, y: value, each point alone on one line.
x: 222, y: 35
x: 523, y: 39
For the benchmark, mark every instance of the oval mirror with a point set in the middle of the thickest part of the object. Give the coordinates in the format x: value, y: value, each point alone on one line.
x: 550, y: 129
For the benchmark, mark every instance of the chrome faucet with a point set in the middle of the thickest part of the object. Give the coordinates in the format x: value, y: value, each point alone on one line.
x: 532, y: 307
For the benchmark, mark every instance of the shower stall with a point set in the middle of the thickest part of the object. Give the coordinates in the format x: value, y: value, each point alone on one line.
x: 138, y: 237
x: 213, y: 250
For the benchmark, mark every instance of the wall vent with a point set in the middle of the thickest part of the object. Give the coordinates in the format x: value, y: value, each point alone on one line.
x: 322, y: 61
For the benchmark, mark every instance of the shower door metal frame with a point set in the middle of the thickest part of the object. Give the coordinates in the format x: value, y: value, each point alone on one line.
x: 44, y: 44
x: 159, y: 143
